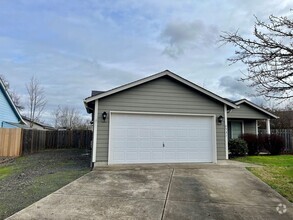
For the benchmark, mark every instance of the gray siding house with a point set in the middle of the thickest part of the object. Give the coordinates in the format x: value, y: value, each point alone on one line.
x: 165, y: 118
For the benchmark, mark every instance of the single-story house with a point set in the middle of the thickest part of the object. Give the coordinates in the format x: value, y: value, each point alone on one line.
x: 36, y: 125
x: 9, y: 114
x: 165, y: 118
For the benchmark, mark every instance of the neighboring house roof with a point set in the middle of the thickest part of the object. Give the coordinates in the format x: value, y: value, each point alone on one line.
x: 11, y: 103
x: 16, y: 124
x: 99, y: 94
x: 44, y: 126
x: 241, y: 101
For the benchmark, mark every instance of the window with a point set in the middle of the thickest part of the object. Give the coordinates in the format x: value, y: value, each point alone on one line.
x: 235, y: 129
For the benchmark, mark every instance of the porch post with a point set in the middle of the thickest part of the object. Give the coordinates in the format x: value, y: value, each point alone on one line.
x: 256, y: 127
x: 268, y: 126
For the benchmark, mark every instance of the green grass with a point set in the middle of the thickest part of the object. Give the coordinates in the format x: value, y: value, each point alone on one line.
x: 33, y: 177
x: 5, y: 171
x: 277, y: 171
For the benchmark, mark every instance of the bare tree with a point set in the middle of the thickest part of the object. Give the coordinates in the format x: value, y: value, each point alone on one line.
x: 285, y: 114
x: 14, y: 96
x: 37, y: 101
x: 70, y: 118
x: 268, y: 57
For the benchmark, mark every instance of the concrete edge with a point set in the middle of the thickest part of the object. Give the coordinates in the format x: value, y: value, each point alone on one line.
x: 268, y: 186
x: 47, y: 195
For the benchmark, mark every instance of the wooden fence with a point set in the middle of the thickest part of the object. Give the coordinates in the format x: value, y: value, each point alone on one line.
x: 286, y: 134
x: 10, y: 142
x: 15, y: 142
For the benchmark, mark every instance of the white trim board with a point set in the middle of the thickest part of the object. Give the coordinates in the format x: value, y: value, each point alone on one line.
x: 162, y: 113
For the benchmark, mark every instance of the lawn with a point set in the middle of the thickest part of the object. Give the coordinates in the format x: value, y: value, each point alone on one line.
x: 32, y: 177
x: 277, y: 171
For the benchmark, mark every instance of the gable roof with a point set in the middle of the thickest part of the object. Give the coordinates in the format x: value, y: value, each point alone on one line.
x: 18, y: 125
x: 241, y: 101
x: 45, y: 126
x: 156, y: 76
x: 11, y: 103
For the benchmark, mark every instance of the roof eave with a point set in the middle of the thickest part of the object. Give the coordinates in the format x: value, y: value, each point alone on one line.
x: 257, y: 107
x: 156, y: 76
x: 88, y: 109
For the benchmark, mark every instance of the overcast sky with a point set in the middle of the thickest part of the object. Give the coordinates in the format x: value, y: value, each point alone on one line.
x: 76, y: 46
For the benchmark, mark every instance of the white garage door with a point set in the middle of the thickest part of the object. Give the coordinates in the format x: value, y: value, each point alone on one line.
x: 158, y: 138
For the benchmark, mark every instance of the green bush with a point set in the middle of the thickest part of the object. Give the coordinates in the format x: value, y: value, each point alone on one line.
x: 237, y: 147
x: 252, y: 143
x: 273, y: 143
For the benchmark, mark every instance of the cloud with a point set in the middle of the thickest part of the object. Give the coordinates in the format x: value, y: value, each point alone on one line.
x: 234, y: 89
x: 180, y: 36
x: 76, y: 46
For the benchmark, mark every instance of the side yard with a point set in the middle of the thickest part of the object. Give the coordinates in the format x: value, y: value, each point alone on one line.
x: 277, y: 171
x: 27, y: 179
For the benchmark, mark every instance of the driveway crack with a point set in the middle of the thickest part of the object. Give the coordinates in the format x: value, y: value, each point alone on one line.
x: 167, y: 195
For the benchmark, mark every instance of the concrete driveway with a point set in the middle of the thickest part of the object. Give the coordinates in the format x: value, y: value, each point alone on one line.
x: 162, y: 192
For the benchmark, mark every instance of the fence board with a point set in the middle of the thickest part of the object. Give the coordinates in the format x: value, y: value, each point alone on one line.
x: 36, y: 140
x: 10, y: 142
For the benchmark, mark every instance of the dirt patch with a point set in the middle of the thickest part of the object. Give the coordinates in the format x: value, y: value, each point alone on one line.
x: 32, y: 177
x: 6, y: 160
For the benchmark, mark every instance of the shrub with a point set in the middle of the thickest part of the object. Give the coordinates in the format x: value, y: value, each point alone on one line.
x: 252, y: 143
x: 237, y: 147
x: 273, y: 143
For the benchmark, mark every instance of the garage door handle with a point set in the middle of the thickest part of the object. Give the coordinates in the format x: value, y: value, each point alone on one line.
x: 163, y: 144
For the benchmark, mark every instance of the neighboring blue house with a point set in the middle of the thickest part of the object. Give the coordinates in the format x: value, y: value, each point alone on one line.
x: 9, y: 114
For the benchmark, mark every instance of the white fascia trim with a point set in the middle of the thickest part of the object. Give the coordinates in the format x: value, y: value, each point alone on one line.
x: 158, y: 75
x: 161, y: 113
x: 226, y: 131
x: 12, y: 103
x: 255, y: 106
x: 96, y: 115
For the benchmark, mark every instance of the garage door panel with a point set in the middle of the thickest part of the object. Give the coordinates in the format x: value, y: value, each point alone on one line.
x: 131, y: 156
x: 157, y: 155
x: 157, y: 133
x: 119, y: 132
x: 144, y: 132
x: 183, y: 156
x: 138, y: 138
x: 118, y: 156
x: 145, y: 156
